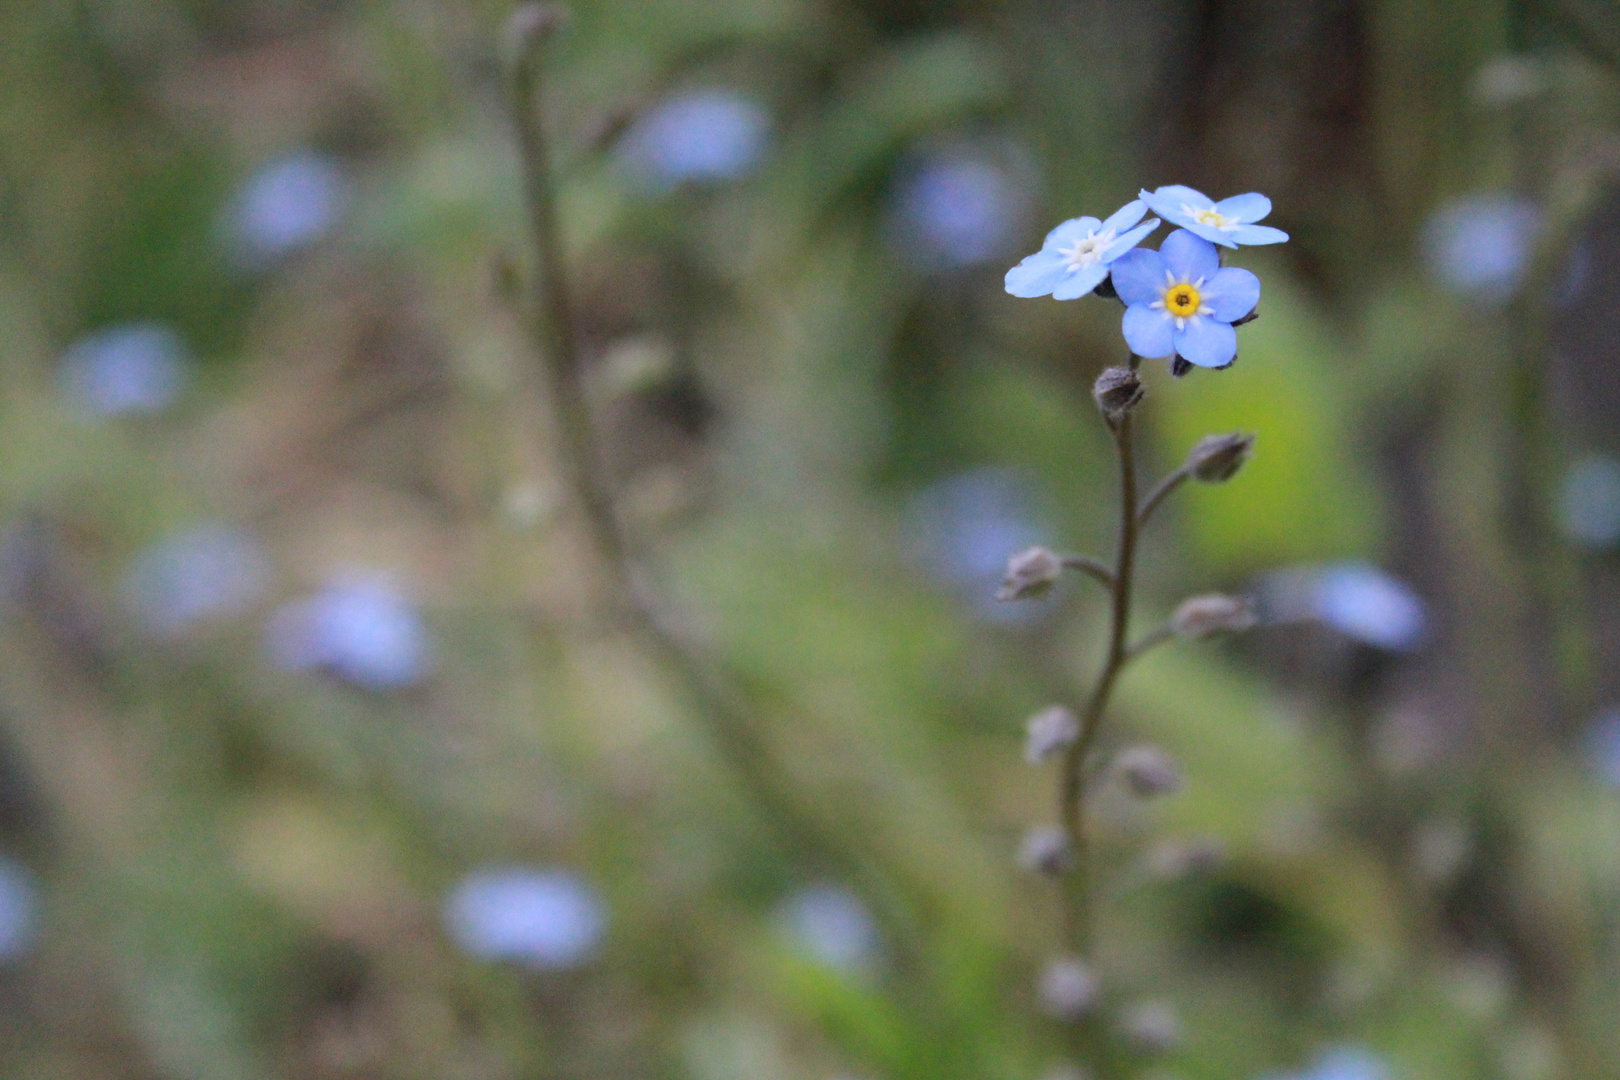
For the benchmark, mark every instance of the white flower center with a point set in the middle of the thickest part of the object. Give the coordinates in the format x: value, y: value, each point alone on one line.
x: 1210, y: 216
x: 1087, y: 250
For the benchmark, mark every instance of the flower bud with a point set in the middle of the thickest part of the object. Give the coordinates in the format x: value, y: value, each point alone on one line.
x: 1217, y: 458
x: 1118, y: 390
x: 1148, y: 771
x: 1201, y: 616
x: 528, y: 25
x: 1067, y: 989
x: 1051, y: 731
x: 1046, y: 850
x: 1172, y: 860
x: 1030, y: 573
x: 1152, y: 1027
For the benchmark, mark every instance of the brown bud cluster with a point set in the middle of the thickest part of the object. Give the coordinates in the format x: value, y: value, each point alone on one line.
x: 1030, y: 573
x: 1217, y: 458
x: 1201, y: 616
x: 1118, y: 390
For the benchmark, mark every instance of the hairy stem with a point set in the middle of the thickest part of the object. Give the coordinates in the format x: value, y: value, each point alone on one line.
x: 1072, y: 790
x: 1161, y: 492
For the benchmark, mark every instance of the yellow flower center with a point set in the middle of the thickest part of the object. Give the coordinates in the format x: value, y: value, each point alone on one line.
x: 1211, y: 216
x: 1182, y: 301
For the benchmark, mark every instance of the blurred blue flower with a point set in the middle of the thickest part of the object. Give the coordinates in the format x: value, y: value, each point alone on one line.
x: 287, y: 204
x: 834, y: 927
x: 1480, y: 245
x: 1180, y: 301
x: 1075, y: 257
x: 363, y: 631
x: 204, y: 572
x: 957, y: 206
x: 133, y: 368
x: 1229, y: 222
x: 1603, y: 746
x: 1348, y: 1063
x: 963, y: 529
x: 705, y: 135
x: 1363, y: 602
x: 1589, y: 502
x: 19, y: 909
x: 542, y: 918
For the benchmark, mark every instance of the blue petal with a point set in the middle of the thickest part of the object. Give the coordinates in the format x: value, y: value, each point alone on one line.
x: 1067, y: 233
x: 1126, y: 216
x: 1037, y: 275
x: 1169, y: 200
x: 1129, y: 240
x: 1080, y: 282
x: 1258, y: 234
x: 1231, y: 294
x: 1139, y: 276
x: 1206, y: 342
x: 1245, y: 208
x: 1150, y: 333
x: 1189, y: 257
x: 1211, y: 233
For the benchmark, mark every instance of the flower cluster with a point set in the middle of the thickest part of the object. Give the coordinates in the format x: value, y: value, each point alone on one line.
x: 1179, y: 301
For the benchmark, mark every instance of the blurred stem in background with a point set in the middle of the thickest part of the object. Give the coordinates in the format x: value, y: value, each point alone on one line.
x: 711, y: 701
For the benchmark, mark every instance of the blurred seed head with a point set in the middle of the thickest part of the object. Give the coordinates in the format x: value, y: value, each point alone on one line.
x: 1148, y: 772
x: 1217, y: 458
x: 1172, y: 860
x: 1030, y: 573
x: 138, y: 367
x: 700, y: 136
x: 1201, y: 616
x: 1051, y: 731
x: 1508, y: 80
x: 1046, y: 850
x: 528, y: 26
x: 1068, y: 989
x: 541, y: 918
x: 1118, y: 390
x: 1153, y: 1027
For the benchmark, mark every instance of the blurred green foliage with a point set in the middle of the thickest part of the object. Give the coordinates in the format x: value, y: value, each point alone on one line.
x: 242, y: 866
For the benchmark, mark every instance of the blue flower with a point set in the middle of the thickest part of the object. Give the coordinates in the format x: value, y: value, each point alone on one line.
x: 1229, y: 222
x: 1076, y: 255
x: 1179, y: 301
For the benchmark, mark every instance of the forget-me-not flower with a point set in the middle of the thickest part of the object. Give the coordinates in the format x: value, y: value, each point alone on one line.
x: 1179, y: 301
x: 1230, y: 222
x: 1076, y: 255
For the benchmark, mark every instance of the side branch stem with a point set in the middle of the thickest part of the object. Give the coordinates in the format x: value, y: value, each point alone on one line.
x: 1160, y: 493
x: 1072, y: 791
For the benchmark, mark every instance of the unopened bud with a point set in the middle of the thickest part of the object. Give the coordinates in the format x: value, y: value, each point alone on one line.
x: 1117, y: 390
x: 1201, y: 616
x: 1051, y: 731
x: 1153, y: 1027
x: 1068, y: 989
x: 1030, y: 573
x: 1046, y: 850
x: 1173, y: 860
x: 1148, y: 771
x: 1217, y: 458
x: 529, y: 24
